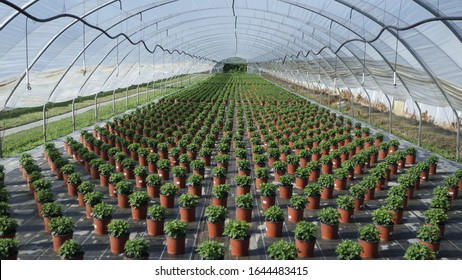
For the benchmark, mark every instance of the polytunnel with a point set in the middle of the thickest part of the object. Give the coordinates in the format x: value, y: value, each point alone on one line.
x: 185, y: 83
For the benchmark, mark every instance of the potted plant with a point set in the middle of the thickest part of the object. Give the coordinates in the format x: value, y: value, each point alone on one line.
x: 175, y: 232
x: 305, y: 239
x: 195, y: 184
x: 83, y: 189
x: 91, y: 199
x: 94, y: 167
x: 124, y: 189
x: 216, y: 216
x: 441, y: 199
x: 394, y: 146
x: 211, y: 250
x: 437, y: 217
x: 8, y: 227
x: 369, y: 236
x: 313, y: 193
x: 141, y: 172
x: 61, y: 230
x: 267, y: 195
x: 301, y: 179
x: 67, y: 170
x: 155, y: 220
x: 105, y: 170
x: 152, y: 160
x: 139, y: 205
x: 419, y: 251
x: 326, y: 164
x: 430, y: 236
x: 71, y: 250
x: 292, y: 163
x: 129, y: 165
x: 345, y: 206
x: 243, y: 167
x: 114, y: 178
x: 340, y: 178
x: 282, y: 250
x: 451, y: 182
x: 222, y: 160
x: 244, y: 206
x: 383, y: 220
x: 296, y: 206
x: 220, y: 195
x: 280, y: 168
x: 259, y: 160
x: 237, y: 231
x: 378, y: 139
x: 219, y: 175
x: 395, y: 205
x: 73, y: 181
x: 243, y: 184
x: 50, y: 210
x: 348, y: 250
x: 383, y: 150
x: 143, y: 154
x: 102, y: 216
x: 179, y: 176
x: 137, y: 249
x: 274, y: 220
x: 261, y: 176
x: 285, y: 186
x: 240, y: 154
x: 188, y: 203
x: 167, y: 195
x: 198, y: 167
x: 118, y: 235
x: 42, y: 197
x: 9, y: 248
x: 327, y: 183
x: 329, y: 218
x: 314, y: 168
x: 205, y: 154
x: 153, y: 182
x: 173, y: 154
x: 163, y: 168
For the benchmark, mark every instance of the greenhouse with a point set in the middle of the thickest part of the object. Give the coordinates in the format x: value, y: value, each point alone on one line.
x: 230, y: 130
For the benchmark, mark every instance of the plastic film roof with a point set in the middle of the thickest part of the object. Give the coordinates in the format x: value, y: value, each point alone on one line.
x: 56, y: 50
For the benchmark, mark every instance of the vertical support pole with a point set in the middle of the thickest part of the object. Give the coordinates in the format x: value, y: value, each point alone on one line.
x: 390, y: 115
x: 73, y: 115
x: 1, y: 144
x: 458, y: 134
x: 44, y: 123
x: 126, y: 98
x: 419, y: 135
x: 113, y: 102
x: 352, y: 105
x: 96, y: 108
x: 147, y: 89
x: 138, y: 94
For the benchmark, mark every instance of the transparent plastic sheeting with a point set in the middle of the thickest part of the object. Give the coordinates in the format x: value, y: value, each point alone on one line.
x: 298, y: 39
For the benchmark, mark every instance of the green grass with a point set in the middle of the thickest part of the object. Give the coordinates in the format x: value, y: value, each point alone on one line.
x: 31, y: 138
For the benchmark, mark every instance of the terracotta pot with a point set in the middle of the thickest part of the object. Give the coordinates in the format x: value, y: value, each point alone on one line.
x: 382, y: 154
x: 240, y: 190
x: 118, y: 166
x: 122, y: 201
x: 305, y: 248
x: 326, y: 168
x: 350, y: 176
x: 72, y: 189
x: 303, y: 162
x: 346, y: 216
x: 188, y: 214
x: 267, y: 201
x: 329, y: 232
x: 370, y: 249
x: 88, y: 210
x: 220, y: 201
x: 291, y: 168
x: 165, y: 174
x: 380, y: 184
x: 152, y: 167
x: 359, y: 203
x: 142, y: 161
x: 453, y: 192
x: 101, y: 225
x: 206, y: 160
x: 59, y: 240
x: 385, y: 232
x: 167, y: 201
x: 285, y: 192
x: 244, y: 214
x: 424, y: 176
x: 259, y: 181
x: 112, y: 190
x: 176, y: 246
x: 163, y: 154
x: 117, y: 244
x: 139, y: 213
x: 277, y: 174
x: 129, y: 174
x: 155, y: 228
x: 140, y: 181
x: 432, y: 169
x: 153, y: 191
x: 244, y: 172
x: 94, y: 174
x: 435, y: 247
x: 180, y: 182
x: 239, y: 248
x: 313, y: 202
x: 409, y: 193
x: 294, y: 215
x: 326, y: 193
x: 393, y: 168
x: 195, y: 190
x: 274, y: 229
x: 340, y: 184
x: 215, y: 229
x: 314, y: 175
x: 300, y: 183
x: 103, y: 180
x: 199, y: 172
x: 459, y: 184
x: 80, y: 199
x: 219, y: 181
x: 370, y: 193
x: 397, y: 217
x: 46, y: 222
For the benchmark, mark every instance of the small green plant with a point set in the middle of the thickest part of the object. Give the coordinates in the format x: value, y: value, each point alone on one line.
x: 329, y: 215
x: 124, y: 188
x: 197, y: 164
x: 137, y: 248
x: 243, y: 181
x: 195, y: 180
x: 156, y: 213
x: 163, y: 164
x: 61, y: 226
x: 313, y: 190
x: 394, y: 202
x: 244, y: 201
x: 153, y: 180
x: 179, y: 171
x: 102, y: 211
x: 8, y: 226
x: 369, y: 233
x: 105, y: 169
x: 326, y: 181
x: 298, y: 202
x: 68, y: 169
x: 280, y: 166
x: 153, y: 158
x: 138, y: 199
x: 93, y: 198
x: 86, y: 187
x: 302, y: 172
x: 292, y: 159
x: 274, y: 214
x: 282, y: 250
x: 216, y: 213
x: 435, y: 216
x: 118, y: 228
x: 41, y: 184
x: 70, y: 249
x: 262, y: 173
x: 175, y: 228
x: 340, y: 173
x: 220, y: 191
x: 168, y: 189
x: 211, y: 250
x: 305, y: 231
x: 313, y: 166
x: 260, y: 159
x: 222, y: 158
x: 382, y: 216
x: 419, y: 251
x: 141, y: 171
x: 188, y: 200
x: 243, y: 164
x: 268, y: 189
x: 218, y: 172
x: 429, y: 233
x: 286, y: 180
x: 348, y: 250
x: 8, y: 247
x: 237, y: 229
x: 115, y: 178
x: 345, y: 202
x: 44, y: 196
